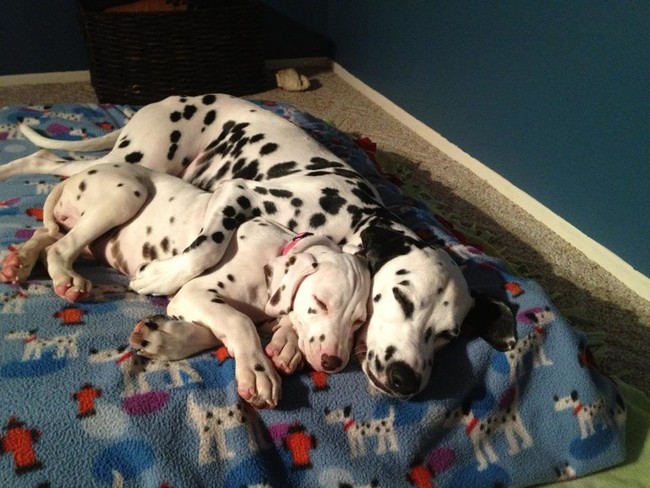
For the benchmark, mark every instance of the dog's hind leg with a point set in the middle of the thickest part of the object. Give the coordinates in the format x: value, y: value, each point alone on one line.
x: 18, y: 264
x: 86, y: 208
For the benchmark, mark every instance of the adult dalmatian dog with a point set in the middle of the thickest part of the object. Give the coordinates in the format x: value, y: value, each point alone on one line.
x: 261, y: 164
x: 267, y: 271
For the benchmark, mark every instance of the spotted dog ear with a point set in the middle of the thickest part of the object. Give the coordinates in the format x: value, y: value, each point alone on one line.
x: 493, y: 321
x: 283, y: 277
x: 381, y: 245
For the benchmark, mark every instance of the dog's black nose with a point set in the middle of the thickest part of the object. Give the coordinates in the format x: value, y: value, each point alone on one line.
x: 402, y: 379
x: 330, y: 363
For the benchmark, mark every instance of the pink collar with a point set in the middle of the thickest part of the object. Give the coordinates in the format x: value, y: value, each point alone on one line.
x: 294, y: 241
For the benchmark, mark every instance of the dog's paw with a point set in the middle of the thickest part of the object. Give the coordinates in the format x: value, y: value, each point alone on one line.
x: 73, y: 288
x: 283, y: 350
x: 16, y: 266
x: 257, y: 381
x: 162, y: 276
x: 167, y: 338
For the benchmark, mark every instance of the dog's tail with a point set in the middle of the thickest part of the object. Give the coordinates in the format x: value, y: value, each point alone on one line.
x: 106, y: 141
x: 49, y: 222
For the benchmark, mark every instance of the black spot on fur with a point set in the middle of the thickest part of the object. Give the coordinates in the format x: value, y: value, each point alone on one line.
x: 390, y: 352
x: 322, y: 163
x: 280, y: 193
x: 208, y: 99
x: 331, y: 201
x: 189, y: 111
x: 124, y: 144
x: 149, y: 252
x: 282, y: 169
x: 197, y: 242
x: 82, y: 186
x: 257, y: 138
x: 268, y: 148
x: 210, y: 117
x: 317, y: 220
x: 134, y: 157
x: 172, y: 151
x: 404, y: 302
x: 164, y: 244
x: 244, y: 202
x: 229, y: 223
x: 175, y: 136
x: 270, y: 207
x: 247, y: 172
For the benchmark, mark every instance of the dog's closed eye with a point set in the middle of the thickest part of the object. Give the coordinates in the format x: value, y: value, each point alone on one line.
x: 321, y: 304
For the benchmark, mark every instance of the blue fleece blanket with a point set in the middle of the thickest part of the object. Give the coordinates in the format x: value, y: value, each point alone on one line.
x: 79, y: 410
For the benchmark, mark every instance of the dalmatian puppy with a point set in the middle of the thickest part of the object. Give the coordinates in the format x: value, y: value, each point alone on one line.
x: 266, y: 271
x: 261, y: 164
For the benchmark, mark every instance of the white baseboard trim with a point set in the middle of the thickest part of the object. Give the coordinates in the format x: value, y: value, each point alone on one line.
x: 633, y: 279
x: 43, y: 78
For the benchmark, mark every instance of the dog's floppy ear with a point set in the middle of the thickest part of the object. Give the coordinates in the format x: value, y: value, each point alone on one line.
x: 302, y: 243
x: 493, y: 321
x: 381, y: 244
x: 283, y: 277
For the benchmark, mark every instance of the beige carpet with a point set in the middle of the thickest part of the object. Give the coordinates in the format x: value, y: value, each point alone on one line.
x: 616, y: 319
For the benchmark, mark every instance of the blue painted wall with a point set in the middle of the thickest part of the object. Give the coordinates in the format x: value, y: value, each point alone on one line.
x: 38, y: 36
x: 552, y: 95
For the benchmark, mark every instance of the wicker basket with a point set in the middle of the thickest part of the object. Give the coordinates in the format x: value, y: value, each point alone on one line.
x: 142, y: 57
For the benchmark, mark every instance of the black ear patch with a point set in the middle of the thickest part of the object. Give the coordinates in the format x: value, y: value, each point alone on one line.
x: 494, y: 322
x: 381, y: 245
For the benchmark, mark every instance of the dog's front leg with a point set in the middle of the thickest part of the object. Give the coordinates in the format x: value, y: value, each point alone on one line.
x: 231, y: 205
x: 257, y: 381
x: 283, y: 347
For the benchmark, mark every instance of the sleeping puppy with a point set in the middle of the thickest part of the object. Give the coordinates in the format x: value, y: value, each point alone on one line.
x: 128, y: 215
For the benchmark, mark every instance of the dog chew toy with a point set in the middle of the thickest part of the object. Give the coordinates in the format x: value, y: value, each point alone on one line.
x: 289, y: 79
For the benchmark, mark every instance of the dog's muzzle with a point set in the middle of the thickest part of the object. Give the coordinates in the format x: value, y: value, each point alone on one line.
x: 401, y: 381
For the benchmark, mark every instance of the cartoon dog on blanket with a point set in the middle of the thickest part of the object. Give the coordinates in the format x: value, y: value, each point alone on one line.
x: 318, y: 293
